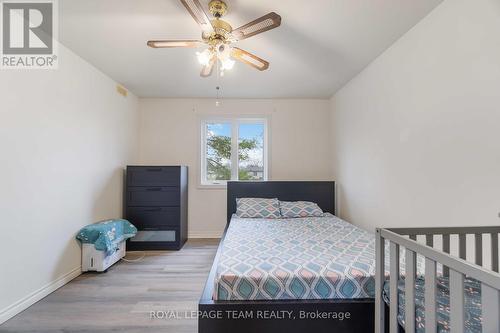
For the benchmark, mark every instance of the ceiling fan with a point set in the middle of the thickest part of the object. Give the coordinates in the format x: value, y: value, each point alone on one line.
x: 218, y: 35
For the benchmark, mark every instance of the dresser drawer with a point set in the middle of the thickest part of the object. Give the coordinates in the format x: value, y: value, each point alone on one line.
x: 161, y: 238
x: 153, y: 176
x: 153, y: 216
x: 153, y: 196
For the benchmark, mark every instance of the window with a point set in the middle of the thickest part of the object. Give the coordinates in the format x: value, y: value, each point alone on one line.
x: 233, y: 149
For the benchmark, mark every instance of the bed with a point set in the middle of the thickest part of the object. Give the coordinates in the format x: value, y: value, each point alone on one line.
x: 294, y: 275
x: 295, y: 258
x: 447, y: 293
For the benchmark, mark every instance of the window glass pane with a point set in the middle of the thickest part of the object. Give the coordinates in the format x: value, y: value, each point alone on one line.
x: 251, y: 151
x: 218, y: 151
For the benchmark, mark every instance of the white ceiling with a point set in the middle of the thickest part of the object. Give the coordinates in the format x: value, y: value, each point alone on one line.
x: 320, y: 45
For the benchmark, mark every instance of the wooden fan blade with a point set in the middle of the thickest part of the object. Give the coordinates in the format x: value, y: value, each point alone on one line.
x: 249, y: 59
x: 260, y: 25
x: 196, y: 10
x: 207, y: 70
x: 174, y: 43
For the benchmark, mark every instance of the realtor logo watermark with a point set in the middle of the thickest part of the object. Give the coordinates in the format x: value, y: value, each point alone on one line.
x: 29, y: 34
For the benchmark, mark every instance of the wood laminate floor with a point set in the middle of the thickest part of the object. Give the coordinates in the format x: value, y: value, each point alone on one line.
x: 121, y: 299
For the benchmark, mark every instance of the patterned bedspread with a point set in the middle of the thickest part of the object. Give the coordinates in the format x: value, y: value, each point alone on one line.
x: 472, y: 304
x: 299, y: 258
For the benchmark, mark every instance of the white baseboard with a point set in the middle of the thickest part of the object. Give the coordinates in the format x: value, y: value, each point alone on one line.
x: 205, y: 234
x: 26, y: 302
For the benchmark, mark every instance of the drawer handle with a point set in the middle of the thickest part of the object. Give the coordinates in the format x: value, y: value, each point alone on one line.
x: 156, y: 189
x: 154, y: 169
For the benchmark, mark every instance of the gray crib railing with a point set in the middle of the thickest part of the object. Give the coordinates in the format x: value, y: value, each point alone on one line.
x: 454, y: 267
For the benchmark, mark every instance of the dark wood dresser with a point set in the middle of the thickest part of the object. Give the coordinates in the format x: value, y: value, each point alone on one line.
x: 156, y: 202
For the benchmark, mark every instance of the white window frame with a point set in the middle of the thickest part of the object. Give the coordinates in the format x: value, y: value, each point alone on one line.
x: 235, y: 122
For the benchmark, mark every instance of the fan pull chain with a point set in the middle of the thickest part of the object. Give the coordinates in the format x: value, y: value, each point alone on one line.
x: 217, y: 88
x: 217, y: 101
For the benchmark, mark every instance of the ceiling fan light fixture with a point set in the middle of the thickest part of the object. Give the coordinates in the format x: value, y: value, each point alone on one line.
x: 219, y: 36
x: 224, y: 51
x: 227, y: 63
x: 204, y: 57
x: 224, y: 56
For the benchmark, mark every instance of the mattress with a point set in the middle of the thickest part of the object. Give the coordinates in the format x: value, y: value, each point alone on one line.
x: 300, y: 258
x: 472, y: 303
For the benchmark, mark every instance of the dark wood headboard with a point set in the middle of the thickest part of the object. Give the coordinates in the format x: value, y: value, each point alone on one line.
x: 320, y: 192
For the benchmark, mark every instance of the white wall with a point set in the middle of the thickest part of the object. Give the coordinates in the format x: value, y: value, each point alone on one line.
x: 299, y: 139
x: 65, y: 136
x: 416, y: 135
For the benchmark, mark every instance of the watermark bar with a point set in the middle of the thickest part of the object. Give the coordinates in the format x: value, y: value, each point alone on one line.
x: 250, y: 314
